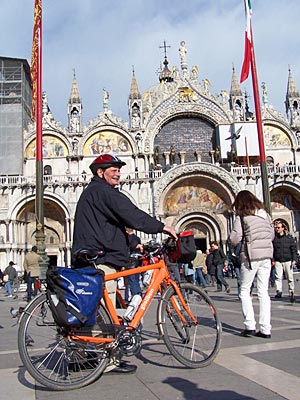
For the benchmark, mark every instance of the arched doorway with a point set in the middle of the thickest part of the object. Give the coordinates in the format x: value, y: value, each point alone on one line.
x: 55, y: 229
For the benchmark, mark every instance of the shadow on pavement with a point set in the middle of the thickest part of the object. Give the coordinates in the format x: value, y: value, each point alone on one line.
x: 192, y: 392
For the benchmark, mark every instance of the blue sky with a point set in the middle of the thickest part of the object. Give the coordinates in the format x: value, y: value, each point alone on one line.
x: 103, y: 39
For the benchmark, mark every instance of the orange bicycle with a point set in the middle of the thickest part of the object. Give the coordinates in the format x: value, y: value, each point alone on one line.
x: 63, y: 358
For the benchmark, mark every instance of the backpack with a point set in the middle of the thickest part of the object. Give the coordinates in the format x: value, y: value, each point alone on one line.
x: 184, y: 250
x: 74, y: 294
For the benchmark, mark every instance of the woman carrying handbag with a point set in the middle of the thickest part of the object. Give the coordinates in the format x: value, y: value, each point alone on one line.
x: 253, y: 224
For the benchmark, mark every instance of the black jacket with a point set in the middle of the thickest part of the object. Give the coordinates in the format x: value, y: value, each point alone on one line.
x: 284, y: 248
x: 209, y: 264
x: 101, y: 216
x: 218, y: 256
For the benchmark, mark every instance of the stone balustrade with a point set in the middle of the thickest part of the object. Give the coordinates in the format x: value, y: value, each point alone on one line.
x: 67, y: 179
x: 273, y: 170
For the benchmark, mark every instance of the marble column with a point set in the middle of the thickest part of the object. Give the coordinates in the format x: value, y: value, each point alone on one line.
x: 167, y: 157
x: 182, y: 156
x: 199, y: 155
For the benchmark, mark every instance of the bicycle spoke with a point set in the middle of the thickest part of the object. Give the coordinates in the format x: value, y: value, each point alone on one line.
x: 51, y: 357
x: 194, y: 344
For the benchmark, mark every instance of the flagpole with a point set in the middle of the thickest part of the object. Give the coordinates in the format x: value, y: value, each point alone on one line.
x: 261, y: 144
x: 249, y: 59
x: 39, y: 201
x: 247, y: 156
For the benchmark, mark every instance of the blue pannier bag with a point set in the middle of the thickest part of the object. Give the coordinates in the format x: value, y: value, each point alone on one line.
x: 74, y: 294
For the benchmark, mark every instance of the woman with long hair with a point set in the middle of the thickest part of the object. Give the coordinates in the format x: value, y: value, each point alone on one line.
x: 253, y: 227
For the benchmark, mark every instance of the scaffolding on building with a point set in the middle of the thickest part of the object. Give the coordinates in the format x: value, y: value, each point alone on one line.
x: 15, y: 105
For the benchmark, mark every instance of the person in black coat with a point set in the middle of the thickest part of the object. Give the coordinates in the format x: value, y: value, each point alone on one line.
x: 102, y: 215
x: 218, y: 262
x: 285, y: 257
x: 211, y: 270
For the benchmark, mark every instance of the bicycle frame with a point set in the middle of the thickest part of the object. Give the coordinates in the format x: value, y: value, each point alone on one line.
x: 159, y: 276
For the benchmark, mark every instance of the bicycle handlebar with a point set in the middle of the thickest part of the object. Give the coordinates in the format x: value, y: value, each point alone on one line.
x: 89, y: 256
x: 160, y: 250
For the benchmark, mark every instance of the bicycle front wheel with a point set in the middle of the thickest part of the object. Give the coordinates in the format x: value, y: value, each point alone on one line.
x: 193, y: 344
x: 51, y: 356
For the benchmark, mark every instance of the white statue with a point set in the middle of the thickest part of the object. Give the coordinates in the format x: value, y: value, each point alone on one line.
x: 105, y: 99
x: 265, y: 93
x: 182, y: 52
x: 206, y: 85
x: 135, y: 119
x: 74, y: 122
x: 45, y: 107
x: 138, y: 138
x: 194, y: 72
x: 224, y: 97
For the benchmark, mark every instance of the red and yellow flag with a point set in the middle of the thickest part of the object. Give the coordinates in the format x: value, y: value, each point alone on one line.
x: 35, y: 53
x: 248, y: 42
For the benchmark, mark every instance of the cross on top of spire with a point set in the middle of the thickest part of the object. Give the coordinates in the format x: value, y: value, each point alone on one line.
x: 165, y: 46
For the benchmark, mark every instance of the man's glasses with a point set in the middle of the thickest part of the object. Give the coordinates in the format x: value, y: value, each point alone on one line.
x: 278, y: 227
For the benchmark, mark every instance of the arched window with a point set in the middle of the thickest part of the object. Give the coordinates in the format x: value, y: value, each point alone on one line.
x: 47, y: 170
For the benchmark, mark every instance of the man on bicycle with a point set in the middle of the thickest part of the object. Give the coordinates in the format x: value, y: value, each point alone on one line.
x: 101, y: 218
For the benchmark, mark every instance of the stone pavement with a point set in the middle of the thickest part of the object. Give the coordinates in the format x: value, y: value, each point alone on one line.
x: 245, y: 368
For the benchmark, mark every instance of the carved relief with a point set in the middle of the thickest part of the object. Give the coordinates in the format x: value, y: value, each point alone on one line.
x: 186, y: 94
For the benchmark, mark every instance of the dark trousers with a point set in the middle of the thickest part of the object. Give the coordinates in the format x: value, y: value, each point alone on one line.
x: 200, y: 280
x: 220, y: 277
x: 31, y: 280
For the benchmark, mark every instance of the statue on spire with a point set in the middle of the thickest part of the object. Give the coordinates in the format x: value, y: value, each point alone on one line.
x: 183, y: 59
x: 265, y: 93
x: 105, y: 100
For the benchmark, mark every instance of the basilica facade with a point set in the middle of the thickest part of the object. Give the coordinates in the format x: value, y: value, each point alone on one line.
x: 187, y: 151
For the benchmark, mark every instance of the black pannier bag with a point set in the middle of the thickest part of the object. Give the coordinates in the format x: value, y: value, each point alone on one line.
x: 74, y: 294
x: 184, y: 250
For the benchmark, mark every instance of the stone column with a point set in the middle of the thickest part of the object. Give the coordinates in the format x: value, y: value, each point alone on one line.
x: 7, y: 231
x: 167, y: 157
x: 68, y: 261
x: 67, y: 238
x: 199, y: 155
x: 182, y: 156
x: 71, y: 229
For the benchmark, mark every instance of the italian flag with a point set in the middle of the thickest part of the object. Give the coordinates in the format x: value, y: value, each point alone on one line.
x: 248, y: 42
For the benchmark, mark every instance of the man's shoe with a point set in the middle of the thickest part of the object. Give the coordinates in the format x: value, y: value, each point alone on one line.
x: 228, y: 289
x: 122, y: 368
x: 278, y: 295
x: 248, y: 332
x: 263, y: 335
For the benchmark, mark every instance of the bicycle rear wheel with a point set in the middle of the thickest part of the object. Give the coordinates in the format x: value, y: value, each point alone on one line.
x: 51, y: 356
x: 194, y: 345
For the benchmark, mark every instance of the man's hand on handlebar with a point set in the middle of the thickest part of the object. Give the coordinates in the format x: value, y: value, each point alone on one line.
x: 170, y: 231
